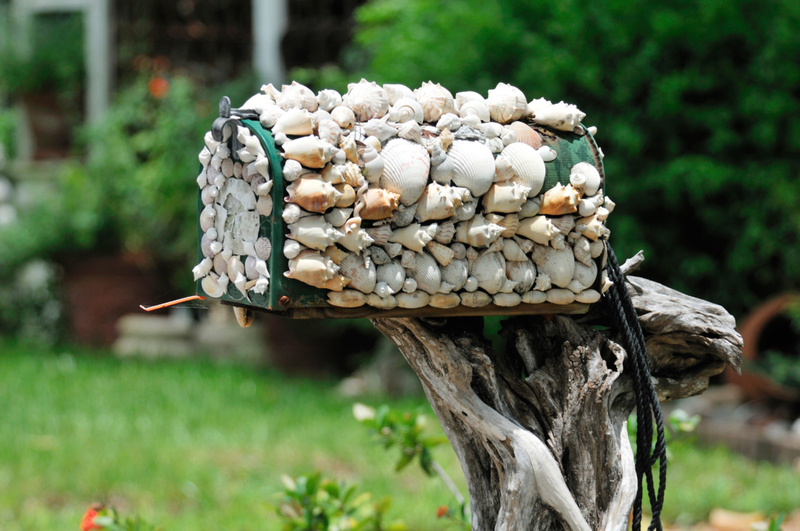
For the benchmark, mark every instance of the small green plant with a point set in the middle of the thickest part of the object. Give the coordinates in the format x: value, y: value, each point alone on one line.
x: 776, y: 522
x: 678, y: 422
x: 314, y: 503
x: 99, y: 517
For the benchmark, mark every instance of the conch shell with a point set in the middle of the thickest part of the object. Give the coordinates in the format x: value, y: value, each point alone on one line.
x: 505, y: 197
x: 314, y: 232
x: 376, y: 203
x: 506, y: 103
x: 313, y: 194
x: 312, y: 268
x: 396, y: 92
x: 561, y: 116
x: 406, y: 167
x: 475, y: 107
x: 477, y: 232
x: 414, y: 236
x: 560, y: 200
x: 294, y: 122
x: 435, y: 101
x: 538, y: 228
x: 367, y: 100
x: 343, y: 116
x: 440, y: 202
x: 328, y: 99
x: 296, y: 96
x: 309, y: 151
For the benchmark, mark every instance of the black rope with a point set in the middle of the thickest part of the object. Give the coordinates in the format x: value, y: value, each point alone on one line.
x: 647, y: 405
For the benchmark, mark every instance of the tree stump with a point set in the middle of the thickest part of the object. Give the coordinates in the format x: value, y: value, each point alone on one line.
x: 541, y: 430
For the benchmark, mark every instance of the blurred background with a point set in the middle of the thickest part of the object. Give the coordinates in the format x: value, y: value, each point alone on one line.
x: 103, y: 105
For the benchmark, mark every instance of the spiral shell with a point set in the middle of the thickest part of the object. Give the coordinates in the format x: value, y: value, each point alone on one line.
x: 527, y: 165
x: 309, y: 151
x: 560, y: 200
x: 445, y: 232
x: 506, y: 103
x: 312, y: 268
x: 296, y: 96
x: 405, y: 110
x: 392, y: 274
x: 473, y: 166
x: 526, y: 134
x: 313, y: 194
x: 414, y: 236
x: 435, y: 101
x: 477, y: 231
x: 440, y: 202
x: 379, y: 129
x: 505, y: 197
x: 396, y: 92
x: 328, y: 99
x: 377, y: 203
x: 406, y: 167
x: 559, y: 265
x: 314, y: 232
x: 523, y: 273
x: 343, y: 116
x: 367, y: 100
x: 585, y: 178
x: 538, y: 228
x: 294, y: 122
x: 477, y: 108
x: 410, y: 131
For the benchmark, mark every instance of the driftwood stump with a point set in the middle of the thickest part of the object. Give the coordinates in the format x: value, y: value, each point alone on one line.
x: 541, y: 429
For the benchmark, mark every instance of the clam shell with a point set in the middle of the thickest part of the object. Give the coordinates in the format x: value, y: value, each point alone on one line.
x: 295, y: 122
x: 416, y: 299
x: 314, y: 232
x: 441, y: 253
x: 534, y: 297
x: 309, y: 151
x: 476, y: 299
x: 313, y: 194
x: 456, y: 273
x: 528, y: 166
x: 347, y: 298
x: 348, y: 195
x: 405, y: 110
x: 588, y: 296
x: 523, y: 273
x: 445, y: 232
x: 559, y: 265
x: 564, y: 224
x: 361, y: 272
x: 477, y: 232
x: 561, y: 116
x: 440, y: 202
x: 506, y: 103
x: 444, y: 300
x: 560, y: 200
x: 427, y: 273
x: 312, y: 268
x: 587, y: 177
x: 377, y: 203
x: 526, y: 134
x: 507, y: 299
x: 392, y: 274
x: 264, y: 205
x: 473, y: 166
x: 328, y: 99
x: 560, y: 296
x: 296, y: 96
x: 435, y: 101
x: 490, y: 270
x: 382, y: 303
x: 343, y: 116
x: 367, y: 100
x: 380, y: 235
x: 406, y: 167
x: 538, y: 228
x: 584, y: 274
x: 396, y: 92
x: 477, y: 108
x: 505, y: 197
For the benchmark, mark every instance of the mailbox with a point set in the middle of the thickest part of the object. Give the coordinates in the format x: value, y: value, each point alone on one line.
x: 387, y: 202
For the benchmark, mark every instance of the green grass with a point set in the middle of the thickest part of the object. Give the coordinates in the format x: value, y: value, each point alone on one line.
x: 195, y: 446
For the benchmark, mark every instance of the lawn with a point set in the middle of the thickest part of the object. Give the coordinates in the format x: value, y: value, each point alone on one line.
x: 196, y: 446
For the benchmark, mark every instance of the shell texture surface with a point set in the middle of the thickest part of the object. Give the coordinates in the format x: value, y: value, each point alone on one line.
x: 406, y: 168
x: 473, y: 166
x: 435, y: 101
x: 366, y: 99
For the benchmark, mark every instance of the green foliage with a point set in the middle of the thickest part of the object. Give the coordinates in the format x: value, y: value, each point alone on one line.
x: 694, y: 101
x: 110, y: 520
x: 775, y: 523
x: 314, y: 503
x: 782, y: 368
x: 678, y: 423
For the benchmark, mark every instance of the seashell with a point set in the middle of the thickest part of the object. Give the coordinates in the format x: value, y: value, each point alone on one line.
x: 463, y: 97
x: 373, y: 165
x: 435, y: 101
x: 408, y: 259
x: 589, y: 205
x: 227, y: 168
x: 343, y: 116
x: 338, y: 216
x: 211, y: 285
x: 379, y: 129
x: 446, y: 139
x: 409, y: 285
x: 547, y: 153
x: 542, y: 282
x: 561, y: 116
x: 477, y: 232
x: 496, y: 245
x: 406, y: 167
x: 564, y: 223
x: 505, y: 197
x: 440, y: 202
x: 211, y: 144
x: 534, y: 297
x: 587, y: 178
x: 208, y: 194
x: 296, y: 96
x: 361, y: 272
x: 292, y: 170
x: 523, y: 273
x: 410, y: 131
x: 559, y: 265
x: 471, y: 121
x: 264, y: 206
x: 280, y: 139
x: 208, y: 216
x: 270, y: 116
x: 348, y: 145
x: 328, y: 99
x: 313, y: 194
x: 524, y: 243
x: 367, y: 100
x: 427, y: 274
x: 347, y: 298
x: 312, y: 268
x: 414, y: 236
x: 393, y: 249
x: 527, y: 165
x: 222, y: 153
x: 348, y: 195
x: 602, y: 214
x: 335, y: 254
x: 382, y: 303
x: 456, y: 273
x: 588, y: 296
x: 309, y: 151
x: 379, y: 256
x: 294, y: 122
x: 291, y: 213
x: 209, y: 247
x: 205, y: 157
x: 329, y: 131
x: 250, y: 268
x: 575, y: 286
x: 376, y: 203
x: 445, y: 232
x: 582, y: 250
x: 449, y: 121
x: 382, y: 289
x: 393, y: 274
x: 560, y: 200
x: 473, y: 166
x: 292, y: 248
x: 476, y: 299
x: 202, y: 269
x: 459, y: 250
x: 492, y: 130
x: 405, y: 110
x: 537, y: 104
x: 609, y: 204
x: 374, y: 142
x: 507, y: 299
x: 263, y: 248
x: 508, y: 136
x: 512, y: 251
x: 471, y: 284
x: 510, y: 223
x: 597, y: 248
x: 221, y: 262
x: 475, y: 108
x: 593, y: 228
x: 396, y: 92
x: 506, y: 103
x: 490, y: 270
x: 530, y: 208
x: 235, y: 266
x: 444, y: 301
x: 526, y: 134
x: 355, y: 240
x: 605, y: 283
x: 441, y: 253
x: 560, y: 296
x: 238, y: 168
x: 314, y: 232
x: 416, y: 299
x: 319, y: 116
x: 202, y: 179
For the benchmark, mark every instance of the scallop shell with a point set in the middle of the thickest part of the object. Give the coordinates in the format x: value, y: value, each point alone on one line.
x: 328, y: 99
x: 445, y: 232
x: 294, y: 122
x: 413, y: 300
x: 561, y: 116
x: 263, y: 248
x: 405, y: 110
x: 296, y: 96
x: 564, y: 224
x: 329, y: 131
x: 309, y: 151
x: 559, y: 265
x: 314, y: 232
x: 343, y: 116
x: 347, y: 298
x: 490, y: 270
x: 456, y: 273
x: 473, y: 166
x: 523, y: 273
x: 435, y: 101
x: 313, y: 194
x: 477, y: 232
x: 427, y: 274
x: 406, y: 167
x: 560, y: 296
x: 382, y: 303
x: 588, y: 296
x: 380, y: 235
x: 505, y: 197
x: 526, y: 134
x: 440, y: 202
x: 392, y: 274
x: 538, y: 228
x: 312, y: 268
x: 507, y: 300
x: 414, y: 236
x: 264, y: 205
x: 587, y: 177
x: 367, y: 100
x: 476, y: 299
x: 527, y: 164
x: 477, y: 108
x: 338, y: 216
x: 441, y: 253
x: 361, y: 272
x: 377, y: 203
x: 506, y: 103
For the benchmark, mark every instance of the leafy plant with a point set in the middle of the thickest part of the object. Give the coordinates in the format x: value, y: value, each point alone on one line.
x: 100, y: 517
x: 678, y: 422
x: 314, y: 503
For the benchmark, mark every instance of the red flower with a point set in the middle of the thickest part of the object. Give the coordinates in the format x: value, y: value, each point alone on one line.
x: 158, y: 87
x: 87, y: 522
x: 441, y: 511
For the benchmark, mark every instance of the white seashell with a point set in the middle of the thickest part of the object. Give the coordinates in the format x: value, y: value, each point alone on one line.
x: 261, y: 165
x: 523, y: 273
x: 360, y: 271
x: 393, y: 249
x: 597, y: 248
x: 490, y: 270
x: 382, y: 303
x: 444, y: 301
x: 367, y: 100
x: 440, y: 202
x: 477, y: 232
x: 410, y: 131
x: 314, y: 269
x: 291, y: 213
x: 319, y: 116
x: 347, y: 298
x: 263, y: 248
x: 509, y: 136
x: 380, y: 235
x: 449, y: 121
x: 473, y: 166
x: 564, y: 224
x: 258, y: 103
x: 416, y: 299
x: 492, y: 130
x: 355, y: 240
x: 309, y: 151
x: 406, y: 167
x: 211, y: 285
x: 512, y: 251
x: 587, y: 177
x: 582, y: 249
x: 264, y: 205
x: 343, y: 116
x: 427, y: 274
x: 510, y: 224
x: 409, y: 285
x: 435, y: 101
x: 506, y: 103
x: 463, y: 97
x: 348, y: 145
x: 441, y: 253
x: 560, y: 296
x: 593, y: 228
x: 408, y: 260
x: 530, y: 208
x: 210, y: 143
x: 270, y: 116
x: 475, y: 108
x: 202, y: 269
x: 294, y: 122
x: 328, y: 99
x: 589, y: 205
x: 456, y: 273
x: 539, y: 103
x: 559, y: 265
x: 205, y: 157
x: 260, y: 286
x: 609, y: 204
x: 292, y: 248
x: 240, y: 281
x: 207, y: 217
x: 405, y: 110
x: 329, y: 131
x: 526, y: 134
x: 250, y: 267
x: 314, y: 232
x: 471, y: 121
x: 561, y: 116
x: 524, y: 243
x: 313, y: 194
x: 376, y: 204
x: 445, y: 232
x: 507, y: 299
x: 208, y: 194
x: 602, y: 214
x: 382, y: 289
x: 373, y: 165
x: 575, y: 286
x: 505, y: 197
x: 296, y: 96
x: 605, y: 282
x: 338, y: 216
x: 527, y: 165
x: 379, y: 129
x: 476, y: 299
x: 471, y: 284
x: 227, y: 168
x: 547, y: 153
x: 396, y: 92
x: 292, y: 170
x: 588, y: 296
x: 534, y: 297
x: 459, y: 250
x: 542, y: 282
x: 202, y: 179
x: 538, y: 228
x: 393, y: 274
x: 222, y: 153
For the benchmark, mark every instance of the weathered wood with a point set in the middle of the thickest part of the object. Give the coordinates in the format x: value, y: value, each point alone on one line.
x: 540, y: 430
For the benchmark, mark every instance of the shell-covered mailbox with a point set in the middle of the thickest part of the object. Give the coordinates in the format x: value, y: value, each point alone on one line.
x: 388, y: 202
